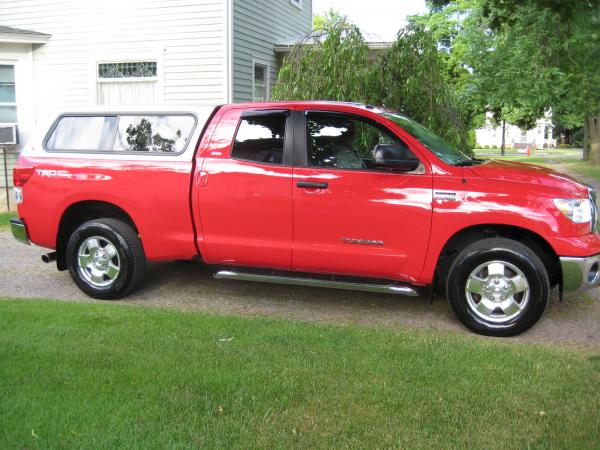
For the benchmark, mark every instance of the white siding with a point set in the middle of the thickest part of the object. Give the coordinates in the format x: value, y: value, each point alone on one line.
x: 186, y: 37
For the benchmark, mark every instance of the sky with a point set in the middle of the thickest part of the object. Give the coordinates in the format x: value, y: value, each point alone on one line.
x: 378, y: 19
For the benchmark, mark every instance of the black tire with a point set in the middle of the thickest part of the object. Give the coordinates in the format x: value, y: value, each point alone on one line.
x: 512, y: 257
x: 128, y: 258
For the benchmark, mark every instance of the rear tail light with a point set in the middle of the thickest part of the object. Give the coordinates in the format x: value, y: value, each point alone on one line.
x: 22, y: 174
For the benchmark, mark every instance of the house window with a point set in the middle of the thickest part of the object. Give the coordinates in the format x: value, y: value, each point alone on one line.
x: 260, y: 83
x: 145, y: 69
x: 8, y: 97
x: 297, y: 3
x: 127, y: 83
x: 523, y: 135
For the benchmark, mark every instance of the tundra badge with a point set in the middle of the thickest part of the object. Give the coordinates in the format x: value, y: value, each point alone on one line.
x: 360, y: 241
x: 444, y: 196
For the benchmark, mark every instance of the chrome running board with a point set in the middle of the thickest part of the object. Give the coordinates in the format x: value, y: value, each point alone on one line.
x: 316, y: 282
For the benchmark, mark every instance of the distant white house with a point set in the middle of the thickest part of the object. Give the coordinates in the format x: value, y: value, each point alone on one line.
x: 71, y: 53
x: 539, y: 137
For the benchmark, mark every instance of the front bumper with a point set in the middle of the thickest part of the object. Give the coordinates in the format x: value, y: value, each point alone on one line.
x: 19, y: 231
x: 580, y: 273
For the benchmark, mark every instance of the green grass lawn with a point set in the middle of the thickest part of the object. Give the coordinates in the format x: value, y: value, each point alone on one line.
x: 548, y: 158
x: 84, y: 375
x: 586, y: 169
x: 4, y: 216
x: 545, y: 157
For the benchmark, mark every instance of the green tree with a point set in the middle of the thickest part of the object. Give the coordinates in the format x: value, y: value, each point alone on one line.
x: 485, y: 68
x: 410, y: 77
x: 333, y: 63
x: 536, y: 55
x: 329, y: 64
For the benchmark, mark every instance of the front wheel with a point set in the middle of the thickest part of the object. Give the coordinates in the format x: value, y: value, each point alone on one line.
x: 105, y: 258
x: 498, y: 287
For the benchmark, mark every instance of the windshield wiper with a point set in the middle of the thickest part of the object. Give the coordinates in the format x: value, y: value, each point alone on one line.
x: 469, y: 162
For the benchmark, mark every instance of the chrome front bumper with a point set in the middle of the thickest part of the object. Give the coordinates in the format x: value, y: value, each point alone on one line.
x: 580, y: 274
x: 19, y: 231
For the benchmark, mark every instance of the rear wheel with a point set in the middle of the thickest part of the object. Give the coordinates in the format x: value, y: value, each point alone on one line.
x: 498, y: 287
x: 105, y: 258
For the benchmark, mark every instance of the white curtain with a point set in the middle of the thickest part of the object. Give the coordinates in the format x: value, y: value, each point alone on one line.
x: 126, y: 93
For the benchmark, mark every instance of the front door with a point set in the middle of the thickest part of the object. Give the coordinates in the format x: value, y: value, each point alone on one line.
x: 351, y: 217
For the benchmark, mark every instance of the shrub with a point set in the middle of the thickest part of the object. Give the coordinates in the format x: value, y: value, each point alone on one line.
x: 494, y: 147
x: 564, y: 145
x: 545, y: 146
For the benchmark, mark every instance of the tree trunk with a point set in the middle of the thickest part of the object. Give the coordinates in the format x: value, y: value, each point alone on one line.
x: 586, y: 141
x: 502, y: 151
x: 594, y: 130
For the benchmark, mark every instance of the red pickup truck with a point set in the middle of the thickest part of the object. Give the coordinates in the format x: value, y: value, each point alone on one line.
x: 312, y: 193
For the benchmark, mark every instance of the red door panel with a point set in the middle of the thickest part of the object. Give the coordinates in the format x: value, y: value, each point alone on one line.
x: 364, y: 223
x: 244, y: 208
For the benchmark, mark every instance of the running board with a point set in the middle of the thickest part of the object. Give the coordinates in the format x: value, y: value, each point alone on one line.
x: 301, y: 281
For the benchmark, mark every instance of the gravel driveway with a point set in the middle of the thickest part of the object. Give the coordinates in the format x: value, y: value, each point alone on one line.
x: 574, y: 322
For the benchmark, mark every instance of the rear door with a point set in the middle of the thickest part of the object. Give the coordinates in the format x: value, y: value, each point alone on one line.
x: 349, y: 216
x: 245, y: 190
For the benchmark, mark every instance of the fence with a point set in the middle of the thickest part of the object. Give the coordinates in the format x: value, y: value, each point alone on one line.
x: 8, y: 161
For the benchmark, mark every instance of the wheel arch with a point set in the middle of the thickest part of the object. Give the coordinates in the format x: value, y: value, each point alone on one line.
x: 468, y: 235
x: 80, y: 212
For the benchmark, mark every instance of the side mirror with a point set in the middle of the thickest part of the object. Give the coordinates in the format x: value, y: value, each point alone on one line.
x: 395, y: 157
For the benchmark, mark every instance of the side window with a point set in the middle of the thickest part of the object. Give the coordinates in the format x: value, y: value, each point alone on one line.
x: 83, y: 133
x: 348, y: 142
x: 165, y: 133
x: 260, y: 139
x: 126, y: 133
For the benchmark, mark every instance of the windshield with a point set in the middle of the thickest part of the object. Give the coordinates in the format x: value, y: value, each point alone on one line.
x: 446, y: 152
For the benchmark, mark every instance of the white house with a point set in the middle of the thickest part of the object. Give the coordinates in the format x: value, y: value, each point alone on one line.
x: 539, y: 137
x: 71, y: 53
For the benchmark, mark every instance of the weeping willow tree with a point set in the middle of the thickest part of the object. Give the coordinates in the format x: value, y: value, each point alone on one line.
x: 410, y: 77
x: 334, y: 63
x: 331, y: 63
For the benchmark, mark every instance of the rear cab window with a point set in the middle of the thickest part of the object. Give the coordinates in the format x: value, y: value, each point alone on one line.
x: 160, y: 133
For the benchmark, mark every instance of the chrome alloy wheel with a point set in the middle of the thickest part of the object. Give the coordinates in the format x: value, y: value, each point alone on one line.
x: 497, y: 291
x: 99, y: 262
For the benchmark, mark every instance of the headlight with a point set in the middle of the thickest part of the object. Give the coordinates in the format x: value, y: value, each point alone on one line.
x: 577, y: 210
